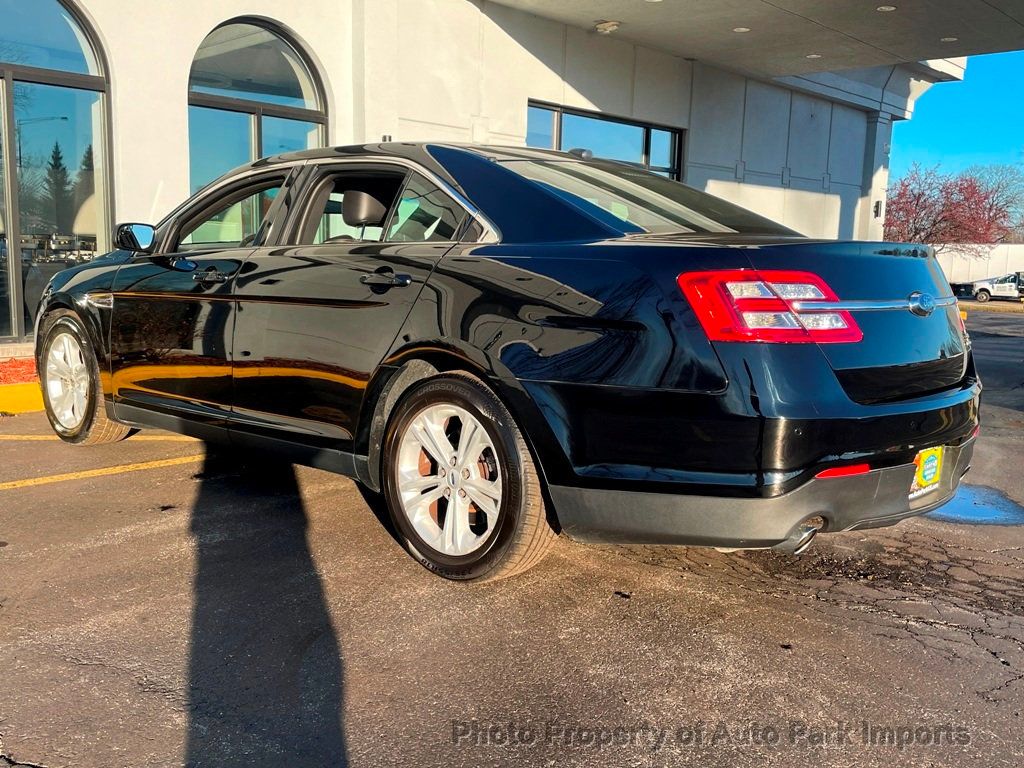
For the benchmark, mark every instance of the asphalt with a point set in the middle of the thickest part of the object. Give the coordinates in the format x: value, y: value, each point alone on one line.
x: 214, y: 609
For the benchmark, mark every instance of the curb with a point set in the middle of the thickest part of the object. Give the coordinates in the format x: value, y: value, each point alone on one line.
x: 21, y: 398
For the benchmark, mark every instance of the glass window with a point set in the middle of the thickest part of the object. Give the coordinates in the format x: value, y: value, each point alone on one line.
x: 244, y: 61
x: 605, y: 138
x: 6, y: 326
x: 663, y: 147
x: 250, y: 95
x: 327, y: 222
x: 218, y: 141
x: 425, y: 213
x: 232, y: 225
x: 636, y: 143
x: 332, y: 227
x: 43, y: 34
x: 638, y: 201
x: 281, y: 135
x: 540, y: 127
x: 57, y: 152
x: 61, y: 217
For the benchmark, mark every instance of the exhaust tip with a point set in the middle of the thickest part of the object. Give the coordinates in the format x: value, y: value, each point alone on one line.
x: 802, y: 538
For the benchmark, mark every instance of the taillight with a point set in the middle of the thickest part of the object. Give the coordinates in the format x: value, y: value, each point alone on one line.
x: 768, y: 305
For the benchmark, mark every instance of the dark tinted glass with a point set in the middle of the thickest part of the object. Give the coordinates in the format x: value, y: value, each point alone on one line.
x: 639, y: 201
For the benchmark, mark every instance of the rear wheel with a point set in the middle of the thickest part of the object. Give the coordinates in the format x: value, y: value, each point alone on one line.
x: 70, y: 379
x: 460, y: 484
x: 983, y: 295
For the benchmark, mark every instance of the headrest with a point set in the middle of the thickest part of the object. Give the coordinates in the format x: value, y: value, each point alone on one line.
x: 361, y: 209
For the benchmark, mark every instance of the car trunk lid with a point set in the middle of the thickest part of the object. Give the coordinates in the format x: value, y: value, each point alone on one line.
x: 913, y: 341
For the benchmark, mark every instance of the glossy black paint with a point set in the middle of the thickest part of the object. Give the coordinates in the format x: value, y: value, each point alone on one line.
x: 581, y: 330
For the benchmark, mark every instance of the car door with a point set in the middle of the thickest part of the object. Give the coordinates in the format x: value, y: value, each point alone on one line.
x: 317, y: 313
x: 173, y: 312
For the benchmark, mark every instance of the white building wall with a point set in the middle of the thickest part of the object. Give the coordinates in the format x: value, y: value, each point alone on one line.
x: 464, y: 70
x: 800, y: 159
x: 149, y: 48
x: 1001, y: 260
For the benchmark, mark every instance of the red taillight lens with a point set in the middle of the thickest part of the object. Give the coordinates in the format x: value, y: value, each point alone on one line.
x: 759, y: 305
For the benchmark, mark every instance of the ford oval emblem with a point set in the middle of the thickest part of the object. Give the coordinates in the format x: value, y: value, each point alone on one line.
x: 921, y: 304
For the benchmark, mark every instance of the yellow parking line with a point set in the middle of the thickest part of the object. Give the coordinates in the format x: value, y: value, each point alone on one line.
x: 100, y: 472
x: 134, y: 439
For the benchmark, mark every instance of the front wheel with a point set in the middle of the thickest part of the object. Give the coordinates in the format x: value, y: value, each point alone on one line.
x: 70, y: 378
x: 983, y: 296
x: 460, y: 483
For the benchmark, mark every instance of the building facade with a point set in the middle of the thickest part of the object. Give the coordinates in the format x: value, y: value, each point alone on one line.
x: 115, y: 111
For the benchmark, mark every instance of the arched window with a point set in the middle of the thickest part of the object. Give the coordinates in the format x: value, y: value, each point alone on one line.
x: 251, y: 94
x: 54, y: 210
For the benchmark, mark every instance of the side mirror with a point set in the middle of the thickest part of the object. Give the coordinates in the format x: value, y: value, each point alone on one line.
x: 135, y: 237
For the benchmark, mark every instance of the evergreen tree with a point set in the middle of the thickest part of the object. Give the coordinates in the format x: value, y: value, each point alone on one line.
x: 58, y: 200
x: 85, y: 181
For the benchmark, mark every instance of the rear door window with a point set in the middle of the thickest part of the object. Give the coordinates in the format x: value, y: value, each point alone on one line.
x: 324, y: 221
x: 424, y: 214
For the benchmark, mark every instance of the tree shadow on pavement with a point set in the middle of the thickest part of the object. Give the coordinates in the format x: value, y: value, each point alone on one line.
x: 265, y: 669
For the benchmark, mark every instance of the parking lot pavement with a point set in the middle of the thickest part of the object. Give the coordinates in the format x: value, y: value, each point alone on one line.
x: 197, y: 607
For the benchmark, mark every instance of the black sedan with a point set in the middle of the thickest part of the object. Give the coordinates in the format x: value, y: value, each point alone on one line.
x: 505, y: 344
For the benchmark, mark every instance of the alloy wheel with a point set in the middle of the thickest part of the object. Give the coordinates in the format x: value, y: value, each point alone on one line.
x: 67, y: 381
x: 449, y: 479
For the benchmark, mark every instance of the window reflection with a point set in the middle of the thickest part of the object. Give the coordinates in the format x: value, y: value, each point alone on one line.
x: 656, y: 149
x: 245, y: 61
x: 42, y: 33
x: 6, y: 326
x: 611, y: 140
x: 218, y: 141
x: 60, y: 192
x: 250, y: 96
x: 281, y: 135
x: 540, y: 127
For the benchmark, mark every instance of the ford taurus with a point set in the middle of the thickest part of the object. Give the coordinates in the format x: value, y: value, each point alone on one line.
x: 505, y: 344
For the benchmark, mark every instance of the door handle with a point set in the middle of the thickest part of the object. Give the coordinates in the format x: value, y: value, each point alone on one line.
x: 210, y: 276
x: 386, y: 279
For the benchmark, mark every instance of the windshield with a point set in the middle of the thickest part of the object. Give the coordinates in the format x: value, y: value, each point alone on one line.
x: 637, y: 201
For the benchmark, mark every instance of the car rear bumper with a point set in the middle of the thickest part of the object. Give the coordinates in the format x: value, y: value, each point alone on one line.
x: 871, y: 500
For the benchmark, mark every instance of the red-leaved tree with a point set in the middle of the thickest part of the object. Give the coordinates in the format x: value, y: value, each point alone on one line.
x: 969, y: 210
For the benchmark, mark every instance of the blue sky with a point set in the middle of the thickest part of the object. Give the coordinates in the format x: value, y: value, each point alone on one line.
x: 979, y: 121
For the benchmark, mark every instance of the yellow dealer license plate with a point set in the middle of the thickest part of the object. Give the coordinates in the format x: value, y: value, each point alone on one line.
x: 928, y: 472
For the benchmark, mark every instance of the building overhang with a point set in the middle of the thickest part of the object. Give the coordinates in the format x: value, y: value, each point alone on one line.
x: 787, y: 38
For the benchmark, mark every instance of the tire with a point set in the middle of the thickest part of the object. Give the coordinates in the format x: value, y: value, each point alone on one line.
x: 87, y: 423
x: 982, y: 296
x: 458, y: 536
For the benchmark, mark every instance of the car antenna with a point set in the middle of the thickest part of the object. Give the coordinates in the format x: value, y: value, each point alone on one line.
x: 582, y: 154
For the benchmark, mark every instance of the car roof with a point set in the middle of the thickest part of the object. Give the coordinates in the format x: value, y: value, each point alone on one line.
x: 418, y: 150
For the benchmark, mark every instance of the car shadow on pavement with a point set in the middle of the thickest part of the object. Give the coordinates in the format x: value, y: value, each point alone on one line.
x: 265, y: 668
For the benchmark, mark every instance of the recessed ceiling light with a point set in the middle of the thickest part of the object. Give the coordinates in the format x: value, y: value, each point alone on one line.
x: 741, y: 29
x: 886, y: 8
x: 948, y: 39
x: 653, y: 1
x: 606, y: 27
x: 813, y: 56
